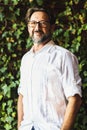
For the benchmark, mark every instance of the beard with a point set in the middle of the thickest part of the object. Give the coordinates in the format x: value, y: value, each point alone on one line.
x: 42, y: 39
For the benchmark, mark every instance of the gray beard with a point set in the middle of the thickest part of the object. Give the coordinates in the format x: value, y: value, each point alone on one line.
x: 41, y: 40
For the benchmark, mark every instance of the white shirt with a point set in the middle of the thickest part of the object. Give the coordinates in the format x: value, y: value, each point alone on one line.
x: 48, y: 78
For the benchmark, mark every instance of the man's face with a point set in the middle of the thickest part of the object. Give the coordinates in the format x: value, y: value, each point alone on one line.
x: 39, y: 27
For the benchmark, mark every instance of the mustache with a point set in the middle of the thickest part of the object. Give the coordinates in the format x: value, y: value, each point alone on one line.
x: 38, y: 31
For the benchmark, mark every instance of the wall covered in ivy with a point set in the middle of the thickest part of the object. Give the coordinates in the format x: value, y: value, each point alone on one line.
x: 71, y: 33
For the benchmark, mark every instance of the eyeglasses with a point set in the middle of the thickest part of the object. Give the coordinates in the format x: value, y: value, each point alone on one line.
x: 42, y: 23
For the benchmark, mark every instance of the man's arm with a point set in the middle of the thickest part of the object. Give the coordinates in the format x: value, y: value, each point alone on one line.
x: 20, y: 110
x: 73, y: 106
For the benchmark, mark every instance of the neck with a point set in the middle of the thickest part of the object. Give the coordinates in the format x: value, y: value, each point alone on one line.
x: 37, y: 47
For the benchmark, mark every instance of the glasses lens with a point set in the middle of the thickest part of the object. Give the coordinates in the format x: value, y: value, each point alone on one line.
x: 41, y: 23
x: 44, y: 23
x: 32, y: 23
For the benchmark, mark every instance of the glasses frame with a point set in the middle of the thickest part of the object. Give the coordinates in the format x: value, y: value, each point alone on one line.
x: 41, y: 23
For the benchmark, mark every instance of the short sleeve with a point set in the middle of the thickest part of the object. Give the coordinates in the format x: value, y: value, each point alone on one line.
x: 21, y: 88
x: 70, y: 79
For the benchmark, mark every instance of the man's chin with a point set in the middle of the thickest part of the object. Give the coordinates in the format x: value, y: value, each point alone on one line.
x: 41, y: 40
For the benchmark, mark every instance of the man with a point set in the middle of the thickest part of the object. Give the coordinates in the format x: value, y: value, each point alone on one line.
x: 50, y: 86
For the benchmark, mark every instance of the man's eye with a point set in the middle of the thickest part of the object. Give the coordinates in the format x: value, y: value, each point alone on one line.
x: 32, y: 22
x: 43, y: 22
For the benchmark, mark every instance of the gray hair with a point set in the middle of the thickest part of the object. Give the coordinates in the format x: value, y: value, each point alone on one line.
x: 30, y: 11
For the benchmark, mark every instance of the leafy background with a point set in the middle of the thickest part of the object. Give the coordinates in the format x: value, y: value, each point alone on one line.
x: 71, y: 33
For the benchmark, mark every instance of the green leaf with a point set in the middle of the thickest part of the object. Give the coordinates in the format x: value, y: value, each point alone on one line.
x: 1, y: 96
x: 40, y: 2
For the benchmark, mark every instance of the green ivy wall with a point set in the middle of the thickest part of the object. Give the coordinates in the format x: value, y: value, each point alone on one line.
x: 71, y: 33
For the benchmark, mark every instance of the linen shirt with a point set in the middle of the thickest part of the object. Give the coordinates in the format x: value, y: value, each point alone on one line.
x: 47, y: 78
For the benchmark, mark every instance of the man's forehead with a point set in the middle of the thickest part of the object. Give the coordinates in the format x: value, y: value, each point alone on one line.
x: 39, y: 15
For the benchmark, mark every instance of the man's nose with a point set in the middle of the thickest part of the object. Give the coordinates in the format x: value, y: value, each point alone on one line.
x: 37, y: 25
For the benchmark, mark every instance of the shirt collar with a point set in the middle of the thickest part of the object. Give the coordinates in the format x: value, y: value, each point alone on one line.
x: 46, y: 47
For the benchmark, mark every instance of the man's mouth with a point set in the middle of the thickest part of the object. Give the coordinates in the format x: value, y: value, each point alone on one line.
x: 38, y: 33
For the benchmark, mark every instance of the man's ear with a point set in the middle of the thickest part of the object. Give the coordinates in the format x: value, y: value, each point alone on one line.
x: 53, y: 27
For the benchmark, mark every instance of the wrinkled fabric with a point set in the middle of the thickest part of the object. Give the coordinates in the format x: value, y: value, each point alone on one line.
x: 47, y: 78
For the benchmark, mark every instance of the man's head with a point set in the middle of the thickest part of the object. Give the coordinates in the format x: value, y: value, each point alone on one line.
x: 40, y: 24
